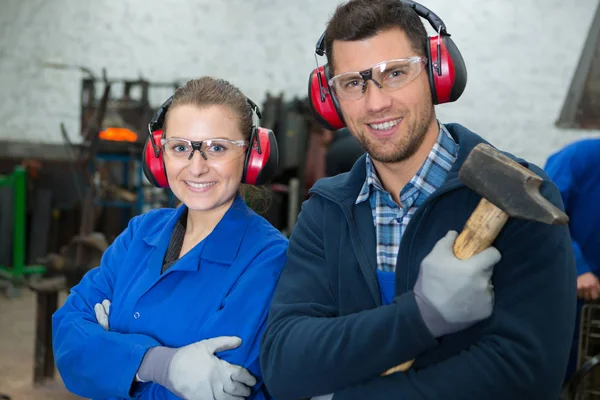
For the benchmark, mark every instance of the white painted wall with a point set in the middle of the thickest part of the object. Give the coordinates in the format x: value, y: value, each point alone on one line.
x: 520, y: 54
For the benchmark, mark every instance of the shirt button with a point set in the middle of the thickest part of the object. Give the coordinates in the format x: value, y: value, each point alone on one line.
x: 136, y: 315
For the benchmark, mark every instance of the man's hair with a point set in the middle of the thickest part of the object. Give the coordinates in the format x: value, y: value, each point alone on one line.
x: 363, y: 19
x: 208, y: 91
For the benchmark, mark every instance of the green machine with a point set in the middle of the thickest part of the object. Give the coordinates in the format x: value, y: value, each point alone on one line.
x: 18, y: 272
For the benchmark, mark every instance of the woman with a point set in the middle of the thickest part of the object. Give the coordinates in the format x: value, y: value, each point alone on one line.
x: 179, y: 303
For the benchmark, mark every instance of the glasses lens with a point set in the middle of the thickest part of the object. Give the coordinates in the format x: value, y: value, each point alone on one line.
x: 397, y: 74
x: 177, y: 148
x: 222, y: 150
x: 348, y: 85
x: 391, y: 75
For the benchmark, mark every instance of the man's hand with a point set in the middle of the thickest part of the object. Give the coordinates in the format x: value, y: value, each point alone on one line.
x: 588, y: 286
x: 454, y: 294
x: 102, y: 311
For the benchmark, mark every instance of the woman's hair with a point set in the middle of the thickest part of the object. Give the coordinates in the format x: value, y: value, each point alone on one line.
x: 257, y: 198
x: 208, y: 91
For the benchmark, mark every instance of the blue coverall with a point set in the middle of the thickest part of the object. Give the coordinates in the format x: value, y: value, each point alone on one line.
x: 221, y: 287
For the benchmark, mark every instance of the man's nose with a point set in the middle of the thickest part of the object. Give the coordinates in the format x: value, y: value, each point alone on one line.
x: 376, y: 99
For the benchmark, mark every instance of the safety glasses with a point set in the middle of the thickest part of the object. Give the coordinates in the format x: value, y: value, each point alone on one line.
x: 220, y: 150
x: 387, y: 75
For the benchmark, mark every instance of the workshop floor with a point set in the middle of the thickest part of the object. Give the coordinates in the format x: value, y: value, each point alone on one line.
x: 17, y: 328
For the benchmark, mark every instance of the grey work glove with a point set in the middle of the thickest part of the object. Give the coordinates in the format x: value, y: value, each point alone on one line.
x: 193, y: 372
x: 102, y: 311
x: 454, y: 294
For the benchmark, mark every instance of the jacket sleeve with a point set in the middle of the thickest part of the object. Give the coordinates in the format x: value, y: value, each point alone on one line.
x: 523, y: 349
x: 580, y: 262
x: 244, y: 310
x: 306, y: 339
x: 563, y: 169
x: 92, y: 362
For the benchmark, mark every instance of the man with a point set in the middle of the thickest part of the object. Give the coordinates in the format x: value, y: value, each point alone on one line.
x: 371, y: 280
x: 576, y: 171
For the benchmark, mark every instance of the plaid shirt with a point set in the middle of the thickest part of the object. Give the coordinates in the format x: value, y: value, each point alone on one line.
x: 391, y: 220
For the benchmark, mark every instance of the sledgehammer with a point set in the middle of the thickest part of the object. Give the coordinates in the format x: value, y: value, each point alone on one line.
x: 508, y: 189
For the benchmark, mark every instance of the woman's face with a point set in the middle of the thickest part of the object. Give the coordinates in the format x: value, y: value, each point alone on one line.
x: 203, y: 184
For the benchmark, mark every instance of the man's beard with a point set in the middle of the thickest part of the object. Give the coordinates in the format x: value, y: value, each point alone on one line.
x: 399, y: 148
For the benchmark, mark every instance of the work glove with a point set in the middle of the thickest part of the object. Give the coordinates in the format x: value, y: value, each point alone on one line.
x: 102, y: 310
x: 453, y: 294
x: 193, y: 372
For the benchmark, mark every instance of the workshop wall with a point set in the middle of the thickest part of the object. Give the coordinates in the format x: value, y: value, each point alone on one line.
x: 520, y: 54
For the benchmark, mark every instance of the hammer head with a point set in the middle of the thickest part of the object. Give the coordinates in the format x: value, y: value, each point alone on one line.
x: 508, y: 185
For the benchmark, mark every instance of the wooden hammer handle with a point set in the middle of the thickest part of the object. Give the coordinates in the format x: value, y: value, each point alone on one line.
x: 480, y: 231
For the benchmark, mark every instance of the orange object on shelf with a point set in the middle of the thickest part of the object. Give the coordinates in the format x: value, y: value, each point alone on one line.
x: 118, y: 135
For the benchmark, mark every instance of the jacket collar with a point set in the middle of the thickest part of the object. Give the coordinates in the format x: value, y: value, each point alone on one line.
x: 153, y: 236
x: 222, y: 244
x: 344, y: 188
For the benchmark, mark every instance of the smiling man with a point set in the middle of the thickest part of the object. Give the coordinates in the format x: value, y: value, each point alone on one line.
x: 371, y: 280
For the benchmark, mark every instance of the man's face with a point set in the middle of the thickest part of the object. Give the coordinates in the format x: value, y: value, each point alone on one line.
x: 390, y: 125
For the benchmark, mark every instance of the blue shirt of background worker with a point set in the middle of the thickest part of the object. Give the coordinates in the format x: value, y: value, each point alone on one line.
x: 575, y: 170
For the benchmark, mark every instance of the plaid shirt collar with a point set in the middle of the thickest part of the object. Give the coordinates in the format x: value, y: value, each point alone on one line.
x: 425, y: 182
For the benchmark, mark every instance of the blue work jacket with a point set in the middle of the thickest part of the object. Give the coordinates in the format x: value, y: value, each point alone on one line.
x: 221, y: 287
x: 330, y: 330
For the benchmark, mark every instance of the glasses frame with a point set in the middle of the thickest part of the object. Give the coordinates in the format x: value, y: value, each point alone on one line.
x: 197, y: 145
x: 367, y: 75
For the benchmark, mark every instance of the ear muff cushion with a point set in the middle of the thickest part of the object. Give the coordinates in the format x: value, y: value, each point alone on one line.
x: 334, y: 99
x: 154, y: 167
x: 324, y: 110
x: 261, y: 167
x: 431, y: 71
x: 249, y: 155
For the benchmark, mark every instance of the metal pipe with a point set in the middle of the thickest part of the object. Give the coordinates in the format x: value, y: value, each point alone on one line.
x: 293, y: 203
x: 19, y: 190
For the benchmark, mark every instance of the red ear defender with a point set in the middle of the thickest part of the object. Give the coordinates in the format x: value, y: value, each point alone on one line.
x: 323, y: 103
x: 447, y: 70
x: 262, y: 157
x: 440, y: 71
x: 152, y: 163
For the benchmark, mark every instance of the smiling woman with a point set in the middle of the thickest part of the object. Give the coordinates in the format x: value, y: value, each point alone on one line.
x: 179, y: 303
x: 202, y: 174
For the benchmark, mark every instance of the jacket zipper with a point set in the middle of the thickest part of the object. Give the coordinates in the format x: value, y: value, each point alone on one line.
x: 421, y: 214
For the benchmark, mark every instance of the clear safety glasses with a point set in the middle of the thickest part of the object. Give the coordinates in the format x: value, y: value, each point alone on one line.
x: 387, y: 75
x: 218, y: 150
